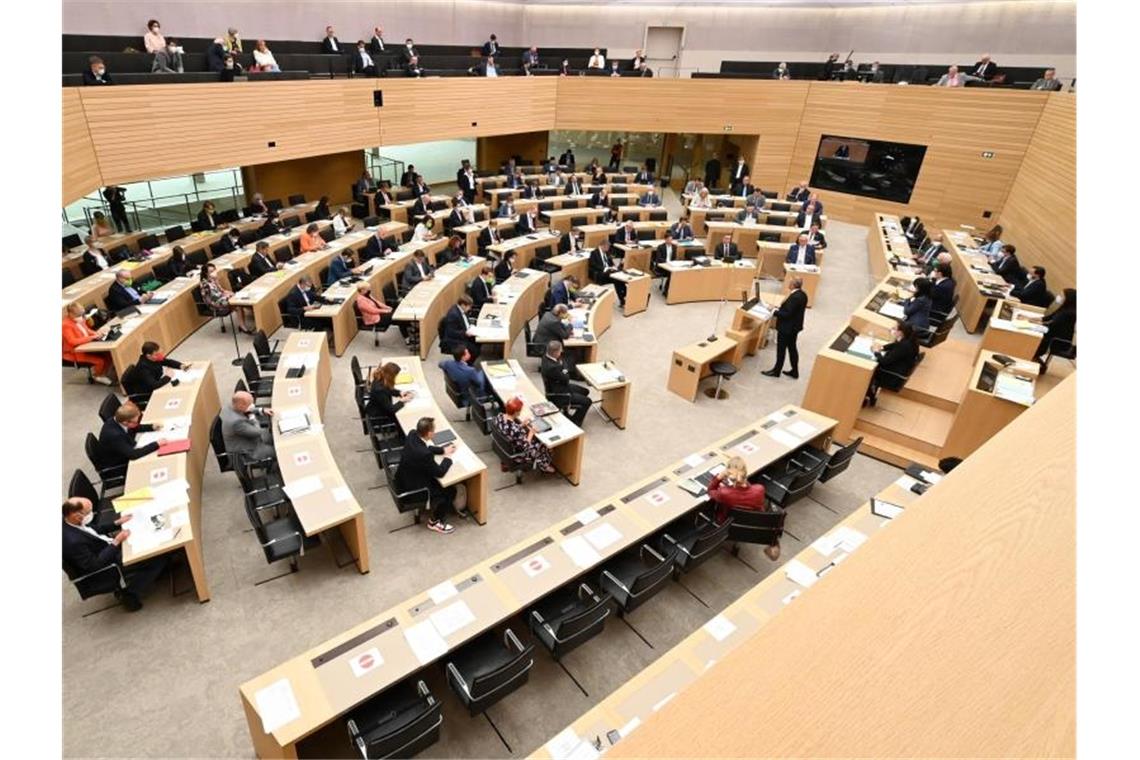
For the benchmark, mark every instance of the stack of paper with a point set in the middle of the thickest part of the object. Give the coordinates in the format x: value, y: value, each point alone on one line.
x: 849, y: 538
x: 303, y: 487
x: 1014, y: 388
x: 602, y: 536
x: 580, y: 551
x: 425, y: 641
x: 800, y: 573
x: 802, y: 429
x: 862, y: 346
x: 785, y: 438
x: 452, y: 618
x: 893, y: 310
x: 277, y: 705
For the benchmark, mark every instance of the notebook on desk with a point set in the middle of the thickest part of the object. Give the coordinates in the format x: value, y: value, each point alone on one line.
x: 443, y: 437
x: 543, y: 408
x: 296, y: 372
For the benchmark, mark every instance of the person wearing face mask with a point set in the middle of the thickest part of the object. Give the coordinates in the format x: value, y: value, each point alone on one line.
x: 409, y: 51
x: 481, y: 288
x: 167, y: 54
x: 372, y: 311
x: 1060, y: 326
x: 206, y: 221
x: 76, y: 332
x: 242, y: 432
x: 506, y: 209
x: 218, y: 298
x: 263, y: 57
x: 301, y: 299
x: 123, y: 295
x: 149, y: 373
x: 731, y: 489
x: 311, y: 239
x: 93, y: 558
x: 117, y: 437
x: 341, y: 222
x: 895, y: 358
x: 597, y: 60
x: 232, y: 42
x: 554, y: 325
x: 565, y: 291
x: 94, y: 259
x: 339, y: 268
x: 505, y: 269
x: 362, y: 63
x: 96, y: 72
x: 1034, y: 292
x: 614, y: 73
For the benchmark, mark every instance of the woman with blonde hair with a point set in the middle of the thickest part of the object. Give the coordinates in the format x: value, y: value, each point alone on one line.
x: 730, y: 489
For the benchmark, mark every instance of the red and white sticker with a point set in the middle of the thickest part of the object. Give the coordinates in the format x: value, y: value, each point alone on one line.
x: 657, y: 498
x: 173, y: 403
x: 159, y: 475
x: 366, y: 662
x: 301, y: 458
x: 536, y: 565
x: 747, y: 447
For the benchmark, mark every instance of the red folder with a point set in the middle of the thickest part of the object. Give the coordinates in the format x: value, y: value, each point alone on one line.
x: 174, y: 447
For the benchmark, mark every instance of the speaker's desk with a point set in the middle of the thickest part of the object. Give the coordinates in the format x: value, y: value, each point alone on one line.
x: 690, y: 364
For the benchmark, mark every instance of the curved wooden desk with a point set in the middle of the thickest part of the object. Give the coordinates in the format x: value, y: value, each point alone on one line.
x: 306, y: 462
x: 595, y: 317
x: 978, y: 288
x: 516, y: 303
x: 688, y: 283
x: 524, y: 246
x: 428, y: 301
x: 193, y: 402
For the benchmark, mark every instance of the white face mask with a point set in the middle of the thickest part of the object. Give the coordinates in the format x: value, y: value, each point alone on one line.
x: 1059, y: 300
x: 87, y: 518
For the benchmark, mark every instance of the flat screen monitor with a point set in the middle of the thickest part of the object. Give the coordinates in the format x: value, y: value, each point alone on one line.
x: 873, y: 168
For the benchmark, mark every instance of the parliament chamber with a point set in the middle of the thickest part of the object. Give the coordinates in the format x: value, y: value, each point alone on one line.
x: 765, y: 400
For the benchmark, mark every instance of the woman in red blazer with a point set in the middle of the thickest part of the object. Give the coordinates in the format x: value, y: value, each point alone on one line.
x: 76, y: 332
x: 731, y: 489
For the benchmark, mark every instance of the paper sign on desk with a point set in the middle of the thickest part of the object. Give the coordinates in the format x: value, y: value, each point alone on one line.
x: 785, y: 438
x: 800, y: 573
x: 748, y: 447
x: 159, y: 475
x: 451, y: 618
x: 425, y: 642
x: 341, y: 493
x: 720, y: 627
x: 802, y: 429
x: 580, y: 551
x: 294, y: 390
x: 587, y: 516
x: 366, y: 662
x: 302, y: 458
x: 442, y: 592
x: 827, y: 543
x: 657, y: 498
x: 172, y: 403
x: 851, y: 538
x: 303, y: 487
x: 602, y: 536
x: 277, y: 705
x: 535, y: 565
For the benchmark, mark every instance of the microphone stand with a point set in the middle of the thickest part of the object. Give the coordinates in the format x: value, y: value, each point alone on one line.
x: 723, y: 297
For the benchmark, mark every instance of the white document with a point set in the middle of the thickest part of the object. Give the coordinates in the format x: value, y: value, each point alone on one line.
x: 580, y: 551
x: 792, y: 596
x: 694, y: 460
x: 584, y: 751
x: 366, y: 662
x: 179, y: 518
x: 146, y: 439
x: 775, y: 417
x: 176, y: 424
x: 563, y: 744
x: 277, y: 705
x: 931, y: 477
x: 862, y: 346
x: 827, y: 543
x: 341, y: 493
x: 425, y: 642
x: 852, y: 539
x: 906, y: 482
x: 602, y: 536
x: 802, y: 429
x: 893, y: 310
x: 466, y: 459
x: 785, y: 438
x: 453, y: 617
x: 442, y: 592
x: 630, y: 727
x: 303, y: 487
x: 188, y: 375
x: 800, y: 573
x: 720, y: 627
x: 587, y: 516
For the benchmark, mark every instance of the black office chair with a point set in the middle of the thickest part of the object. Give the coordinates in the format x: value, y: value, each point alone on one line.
x: 635, y: 576
x: 658, y: 215
x: 267, y: 355
x: 106, y: 580
x: 174, y: 233
x: 274, y: 205
x: 511, y: 458
x: 112, y: 477
x: 291, y: 222
x: 1059, y: 347
x: 750, y: 526
x: 68, y: 278
x: 533, y: 350
x: 835, y: 463
x: 218, y: 444
x: 415, y: 500
x: 458, y: 397
x: 262, y: 493
x: 401, y: 721
x: 118, y: 253
x: 163, y: 272
x: 328, y: 234
x: 196, y: 259
x: 296, y: 200
x: 260, y: 387
x: 196, y: 226
x: 287, y: 319
x: 377, y: 328
x: 372, y: 221
x: 105, y: 515
x: 692, y: 544
x: 541, y: 254
x: 567, y: 618
x: 134, y: 386
x: 148, y: 242
x: 483, y: 409
x: 283, y: 538
x: 578, y: 221
x: 486, y: 670
x: 786, y: 487
x: 769, y: 237
x: 938, y: 317
x: 931, y: 338
x: 110, y: 405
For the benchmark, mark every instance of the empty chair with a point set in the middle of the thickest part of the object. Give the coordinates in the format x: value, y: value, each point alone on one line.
x: 693, y: 544
x: 483, y: 409
x: 148, y: 242
x: 163, y: 272
x: 174, y: 233
x: 267, y: 356
x: 68, y: 278
x: 835, y: 463
x: 569, y: 617
x: 578, y: 221
x: 282, y: 538
x: 112, y: 476
x: 931, y: 338
x: 328, y: 234
x: 196, y: 259
x: 635, y: 576
x: 488, y: 669
x: 769, y: 237
x: 260, y: 387
x: 107, y: 409
x: 229, y: 216
x: 119, y: 253
x: 290, y: 222
x: 401, y: 721
x: 296, y: 200
x: 658, y: 215
x: 274, y: 205
x: 792, y: 484
x: 371, y: 221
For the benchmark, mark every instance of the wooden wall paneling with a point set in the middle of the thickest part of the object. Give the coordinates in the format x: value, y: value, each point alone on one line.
x: 312, y: 177
x: 968, y: 652
x: 956, y: 184
x: 446, y: 108
x: 1039, y: 216
x: 491, y: 152
x: 702, y: 106
x: 146, y: 131
x: 80, y: 167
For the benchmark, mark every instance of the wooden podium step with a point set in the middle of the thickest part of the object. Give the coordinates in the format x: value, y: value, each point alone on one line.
x: 904, y: 421
x: 892, y: 453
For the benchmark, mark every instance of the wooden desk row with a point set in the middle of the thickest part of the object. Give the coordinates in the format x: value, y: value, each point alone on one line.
x: 640, y: 698
x: 319, y: 494
x: 739, y: 202
x: 317, y: 688
x: 700, y: 218
x: 978, y: 288
x: 428, y: 302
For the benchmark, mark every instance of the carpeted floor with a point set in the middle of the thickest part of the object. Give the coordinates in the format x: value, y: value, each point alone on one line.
x: 164, y: 682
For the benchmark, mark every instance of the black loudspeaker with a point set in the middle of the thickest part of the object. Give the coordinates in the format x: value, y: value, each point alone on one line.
x: 378, y: 98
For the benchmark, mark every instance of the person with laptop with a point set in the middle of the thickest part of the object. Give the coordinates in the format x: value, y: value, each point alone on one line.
x: 731, y: 489
x: 523, y: 436
x: 419, y: 471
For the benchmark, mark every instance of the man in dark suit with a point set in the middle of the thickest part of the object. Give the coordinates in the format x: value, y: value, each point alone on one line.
x: 1048, y: 82
x: 681, y: 229
x: 571, y: 242
x: 95, y: 259
x: 457, y: 328
x: 801, y: 252
x: 376, y: 44
x: 799, y: 193
x: 260, y: 264
x: 149, y: 374
x: 330, y: 44
x: 643, y: 176
x: 748, y: 215
x: 528, y: 222
x: 465, y: 178
x: 301, y: 299
x: 626, y: 234
x: 419, y: 470
x: 271, y: 226
x: 665, y: 253
x: 1034, y: 292
x: 417, y: 270
x: 412, y: 67
x: 481, y: 287
x: 942, y: 291
x: 117, y: 437
x: 491, y: 46
x: 738, y: 174
x: 565, y: 291
x: 727, y: 251
x: 362, y: 62
x: 216, y: 56
x: 789, y: 323
x: 712, y: 172
x: 421, y: 208
x: 553, y: 325
x: 650, y: 198
x: 122, y: 293
x: 985, y: 68
x: 97, y: 558
x: 808, y: 216
x: 1007, y: 266
x: 573, y: 400
x: 602, y: 265
x: 530, y: 191
x: 408, y: 178
x: 378, y: 246
x: 744, y: 187
x: 816, y: 238
x: 96, y: 72
x: 489, y: 236
x: 409, y: 53
x: 573, y: 186
x: 116, y: 198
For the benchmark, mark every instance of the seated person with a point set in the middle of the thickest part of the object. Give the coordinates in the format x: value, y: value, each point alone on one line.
x: 681, y: 229
x: 373, y: 311
x: 650, y: 198
x: 573, y: 400
x: 271, y: 226
x: 600, y: 198
x: 482, y: 286
x: 799, y: 193
x: 665, y: 253
x: 311, y: 239
x: 458, y: 330
x: 554, y: 325
x: 122, y: 294
x: 897, y: 358
x: 228, y: 243
x: 150, y: 374
x: 816, y: 238
x: 302, y: 299
x: 460, y: 371
x: 260, y: 263
x: 362, y: 62
x: 218, y: 298
x: 702, y: 200
x: 1060, y: 326
x: 339, y: 268
x: 1034, y: 292
x: 602, y: 266
x: 412, y: 68
x: 748, y: 215
x: 117, y: 437
x: 258, y: 206
x: 643, y: 176
x: 94, y: 258
x: 417, y: 270
x: 242, y: 432
x: 342, y: 222
x: 506, y: 209
x: 731, y: 489
x: 626, y: 235
x: 810, y: 214
x: 179, y: 266
x: 383, y: 398
x: 528, y: 222
x: 505, y: 269
x: 727, y: 251
x: 800, y: 252
x: 942, y: 291
x: 206, y: 217
x: 76, y: 332
x: 916, y: 309
x: 565, y: 291
x: 572, y: 242
x: 378, y: 246
x: 87, y: 551
x: 522, y: 435
x: 530, y: 191
x: 418, y: 469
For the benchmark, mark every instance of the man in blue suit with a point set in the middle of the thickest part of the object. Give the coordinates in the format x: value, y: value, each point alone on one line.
x: 565, y: 291
x: 800, y: 252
